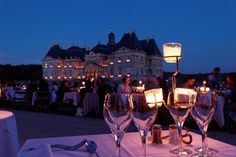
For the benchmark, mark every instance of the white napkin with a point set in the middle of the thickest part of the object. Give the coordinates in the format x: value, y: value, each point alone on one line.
x: 41, y: 151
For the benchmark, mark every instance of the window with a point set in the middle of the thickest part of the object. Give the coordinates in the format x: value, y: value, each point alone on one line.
x: 128, y: 59
x: 119, y: 60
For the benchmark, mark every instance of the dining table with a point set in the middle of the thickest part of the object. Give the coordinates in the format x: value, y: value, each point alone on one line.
x: 219, y: 111
x: 74, y: 96
x: 130, y: 146
x: 9, y: 142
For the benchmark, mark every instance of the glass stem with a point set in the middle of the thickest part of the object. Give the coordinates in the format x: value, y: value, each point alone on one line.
x: 204, y: 140
x: 179, y: 126
x: 118, y: 139
x: 143, y: 135
x: 118, y: 148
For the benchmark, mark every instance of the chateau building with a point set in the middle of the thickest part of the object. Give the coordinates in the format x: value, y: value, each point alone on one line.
x: 130, y: 56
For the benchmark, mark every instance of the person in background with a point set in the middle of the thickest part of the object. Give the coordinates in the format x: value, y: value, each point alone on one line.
x: 230, y: 108
x: 124, y: 87
x: 152, y: 83
x: 63, y: 89
x: 9, y: 90
x: 43, y: 86
x: 214, y: 78
x: 189, y: 81
x: 83, y: 91
x: 30, y: 89
x: 55, y: 87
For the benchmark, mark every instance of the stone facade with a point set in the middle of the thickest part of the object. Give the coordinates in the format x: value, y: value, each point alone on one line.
x: 130, y: 56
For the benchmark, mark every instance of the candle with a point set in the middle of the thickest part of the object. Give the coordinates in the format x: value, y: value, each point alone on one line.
x: 184, y: 95
x: 154, y: 96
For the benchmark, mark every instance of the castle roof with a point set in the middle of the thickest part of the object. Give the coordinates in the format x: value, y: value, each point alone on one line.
x: 128, y: 40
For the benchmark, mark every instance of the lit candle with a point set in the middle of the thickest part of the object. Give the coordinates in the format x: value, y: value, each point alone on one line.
x: 184, y: 95
x: 154, y: 96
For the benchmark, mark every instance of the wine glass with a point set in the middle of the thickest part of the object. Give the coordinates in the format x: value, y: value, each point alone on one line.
x: 202, y: 113
x: 118, y: 115
x: 145, y: 108
x: 179, y: 103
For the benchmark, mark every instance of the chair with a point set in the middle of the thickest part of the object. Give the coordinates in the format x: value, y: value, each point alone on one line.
x: 19, y: 99
x: 19, y: 96
x: 43, y: 100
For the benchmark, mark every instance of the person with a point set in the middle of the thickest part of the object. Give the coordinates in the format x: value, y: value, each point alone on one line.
x: 230, y: 108
x: 43, y: 86
x: 152, y: 83
x: 9, y: 90
x: 31, y: 88
x: 214, y: 78
x: 124, y: 87
x: 189, y: 81
x: 63, y: 89
x: 55, y: 87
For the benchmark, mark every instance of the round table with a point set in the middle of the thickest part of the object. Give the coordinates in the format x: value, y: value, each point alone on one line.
x: 9, y: 143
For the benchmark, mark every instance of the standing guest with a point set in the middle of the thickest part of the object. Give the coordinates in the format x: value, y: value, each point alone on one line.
x: 83, y: 91
x: 189, y: 81
x: 102, y: 91
x: 152, y: 83
x: 55, y: 87
x: 30, y: 89
x: 9, y: 90
x: 43, y: 86
x: 63, y: 89
x: 214, y: 78
x: 230, y: 109
x: 124, y: 87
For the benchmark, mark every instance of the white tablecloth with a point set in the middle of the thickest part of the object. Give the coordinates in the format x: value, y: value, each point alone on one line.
x: 219, y: 112
x: 9, y: 144
x: 52, y: 98
x: 73, y: 96
x: 131, y: 146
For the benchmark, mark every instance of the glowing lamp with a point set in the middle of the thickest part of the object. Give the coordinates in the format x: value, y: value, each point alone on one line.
x: 172, y: 52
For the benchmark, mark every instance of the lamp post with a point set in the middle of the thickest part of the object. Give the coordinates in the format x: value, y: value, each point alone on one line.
x: 172, y: 54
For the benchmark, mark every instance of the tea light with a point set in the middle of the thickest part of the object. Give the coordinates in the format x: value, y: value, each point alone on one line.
x: 153, y: 97
x: 183, y: 95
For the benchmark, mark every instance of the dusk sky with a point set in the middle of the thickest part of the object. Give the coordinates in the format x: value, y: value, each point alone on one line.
x: 205, y: 28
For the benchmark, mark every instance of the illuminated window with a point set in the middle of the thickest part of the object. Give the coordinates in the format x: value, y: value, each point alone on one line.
x: 119, y: 60
x: 127, y: 59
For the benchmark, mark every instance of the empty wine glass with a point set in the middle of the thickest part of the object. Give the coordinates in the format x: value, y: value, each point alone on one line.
x: 145, y: 108
x: 118, y: 115
x: 202, y: 113
x: 179, y: 104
